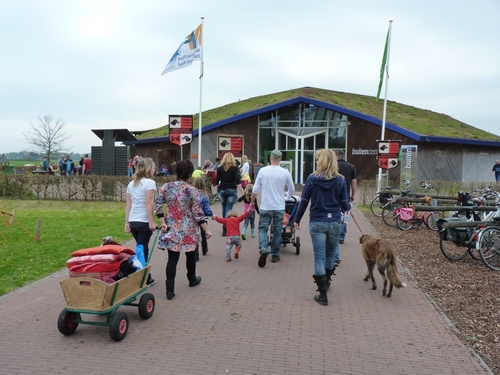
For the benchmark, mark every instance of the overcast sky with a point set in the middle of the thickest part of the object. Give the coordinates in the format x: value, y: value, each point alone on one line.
x: 98, y: 64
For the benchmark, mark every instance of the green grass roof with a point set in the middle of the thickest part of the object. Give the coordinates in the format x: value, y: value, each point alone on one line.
x: 420, y: 121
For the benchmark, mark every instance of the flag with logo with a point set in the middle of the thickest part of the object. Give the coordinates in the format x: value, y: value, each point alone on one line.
x: 190, y: 50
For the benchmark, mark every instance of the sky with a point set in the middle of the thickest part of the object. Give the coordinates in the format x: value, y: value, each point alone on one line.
x: 98, y: 64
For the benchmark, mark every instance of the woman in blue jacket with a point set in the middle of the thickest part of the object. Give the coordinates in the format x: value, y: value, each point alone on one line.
x: 327, y: 191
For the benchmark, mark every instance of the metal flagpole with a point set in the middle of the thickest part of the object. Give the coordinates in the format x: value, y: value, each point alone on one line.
x: 201, y: 85
x: 379, y: 181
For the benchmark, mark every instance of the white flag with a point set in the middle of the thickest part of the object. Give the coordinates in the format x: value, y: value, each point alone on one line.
x: 188, y: 51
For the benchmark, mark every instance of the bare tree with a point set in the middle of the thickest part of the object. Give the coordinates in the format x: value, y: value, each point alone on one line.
x: 48, y: 136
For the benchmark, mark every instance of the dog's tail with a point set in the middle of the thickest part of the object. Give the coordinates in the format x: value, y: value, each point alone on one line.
x: 392, y: 272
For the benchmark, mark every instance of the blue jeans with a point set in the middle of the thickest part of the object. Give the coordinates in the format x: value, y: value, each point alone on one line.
x: 268, y: 217
x: 227, y: 199
x: 343, y: 232
x: 325, y: 238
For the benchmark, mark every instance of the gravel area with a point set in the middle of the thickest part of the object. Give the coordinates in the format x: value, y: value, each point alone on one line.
x: 466, y: 291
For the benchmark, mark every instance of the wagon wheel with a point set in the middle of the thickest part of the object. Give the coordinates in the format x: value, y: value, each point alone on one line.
x: 118, y: 325
x: 146, y: 306
x: 65, y: 323
x: 297, y: 245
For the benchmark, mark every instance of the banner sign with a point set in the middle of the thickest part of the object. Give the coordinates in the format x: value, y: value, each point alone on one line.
x: 230, y: 143
x: 408, y: 165
x: 180, y: 129
x: 388, y: 153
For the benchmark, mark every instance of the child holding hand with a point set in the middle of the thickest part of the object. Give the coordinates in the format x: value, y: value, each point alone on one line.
x: 232, y: 224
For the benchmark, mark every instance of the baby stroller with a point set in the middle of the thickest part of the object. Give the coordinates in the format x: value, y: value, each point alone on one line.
x: 288, y: 230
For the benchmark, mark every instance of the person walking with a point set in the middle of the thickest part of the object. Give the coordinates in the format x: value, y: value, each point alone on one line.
x: 247, y: 198
x: 232, y: 223
x: 180, y: 224
x: 271, y: 181
x: 326, y: 189
x: 199, y: 183
x: 229, y: 182
x: 495, y: 171
x: 245, y: 172
x: 349, y: 172
x: 139, y: 220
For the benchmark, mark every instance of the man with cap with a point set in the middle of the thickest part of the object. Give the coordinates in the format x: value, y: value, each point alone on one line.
x: 349, y: 172
x: 272, y: 180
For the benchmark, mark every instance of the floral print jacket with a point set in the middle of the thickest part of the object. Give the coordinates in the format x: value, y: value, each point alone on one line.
x: 182, y: 216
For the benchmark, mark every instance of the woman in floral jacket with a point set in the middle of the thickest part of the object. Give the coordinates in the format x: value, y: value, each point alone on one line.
x: 180, y: 224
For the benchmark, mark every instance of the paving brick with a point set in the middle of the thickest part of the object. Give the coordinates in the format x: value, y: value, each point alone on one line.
x: 243, y: 319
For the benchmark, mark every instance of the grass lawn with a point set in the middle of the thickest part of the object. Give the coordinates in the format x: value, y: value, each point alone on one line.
x: 65, y: 227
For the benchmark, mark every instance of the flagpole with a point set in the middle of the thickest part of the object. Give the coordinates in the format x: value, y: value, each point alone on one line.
x: 386, y: 68
x: 201, y: 85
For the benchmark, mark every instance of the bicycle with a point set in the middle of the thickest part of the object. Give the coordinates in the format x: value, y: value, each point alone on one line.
x: 388, y: 209
x: 406, y: 218
x: 456, y: 243
x: 380, y: 200
x: 489, y: 244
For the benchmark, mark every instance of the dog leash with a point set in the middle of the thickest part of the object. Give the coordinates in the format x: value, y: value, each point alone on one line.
x: 354, y: 219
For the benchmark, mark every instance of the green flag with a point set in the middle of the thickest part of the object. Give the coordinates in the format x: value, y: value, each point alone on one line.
x: 382, y: 68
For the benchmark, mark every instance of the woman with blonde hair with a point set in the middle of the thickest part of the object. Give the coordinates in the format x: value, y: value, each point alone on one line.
x: 139, y: 220
x: 229, y: 182
x: 327, y: 191
x: 207, y: 166
x: 245, y: 172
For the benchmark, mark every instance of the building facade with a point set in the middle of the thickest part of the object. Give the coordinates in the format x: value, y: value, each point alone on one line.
x: 300, y: 126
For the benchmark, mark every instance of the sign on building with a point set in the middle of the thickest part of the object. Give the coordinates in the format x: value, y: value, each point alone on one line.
x: 180, y: 129
x: 388, y: 153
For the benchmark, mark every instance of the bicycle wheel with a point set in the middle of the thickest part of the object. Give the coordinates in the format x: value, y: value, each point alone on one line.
x: 474, y: 250
x: 376, y: 207
x: 432, y: 218
x: 449, y: 249
x: 489, y: 247
x: 389, y: 213
x: 404, y: 224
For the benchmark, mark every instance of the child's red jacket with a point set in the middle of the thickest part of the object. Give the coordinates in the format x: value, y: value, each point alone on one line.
x: 232, y: 223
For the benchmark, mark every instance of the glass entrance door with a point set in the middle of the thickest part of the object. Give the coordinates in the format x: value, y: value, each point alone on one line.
x: 298, y: 146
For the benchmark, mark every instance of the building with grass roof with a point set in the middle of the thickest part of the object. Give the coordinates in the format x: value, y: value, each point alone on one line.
x: 298, y: 122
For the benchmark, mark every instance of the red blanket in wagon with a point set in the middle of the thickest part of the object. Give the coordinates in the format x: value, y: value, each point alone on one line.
x: 102, y: 262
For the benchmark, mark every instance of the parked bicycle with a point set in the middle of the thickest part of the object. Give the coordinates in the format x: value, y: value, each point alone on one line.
x: 407, y: 217
x: 380, y: 200
x: 455, y: 243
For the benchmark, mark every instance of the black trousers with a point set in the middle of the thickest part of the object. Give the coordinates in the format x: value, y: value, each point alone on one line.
x: 173, y: 259
x: 142, y: 235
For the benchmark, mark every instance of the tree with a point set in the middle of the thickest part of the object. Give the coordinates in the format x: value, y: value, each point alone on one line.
x: 48, y: 136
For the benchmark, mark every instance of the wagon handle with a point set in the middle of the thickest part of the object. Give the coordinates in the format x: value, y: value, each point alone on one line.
x: 151, y: 250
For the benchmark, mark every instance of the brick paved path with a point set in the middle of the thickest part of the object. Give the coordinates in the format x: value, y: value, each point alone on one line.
x: 243, y: 319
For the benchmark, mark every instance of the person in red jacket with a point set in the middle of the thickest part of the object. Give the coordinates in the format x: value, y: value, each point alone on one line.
x: 232, y: 224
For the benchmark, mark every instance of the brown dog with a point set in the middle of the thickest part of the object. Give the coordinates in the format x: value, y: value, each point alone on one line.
x: 382, y: 253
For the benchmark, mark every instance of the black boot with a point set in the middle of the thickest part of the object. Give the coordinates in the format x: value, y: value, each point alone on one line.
x: 322, y: 283
x: 193, y: 280
x: 196, y: 254
x: 329, y: 274
x: 170, y: 288
x: 223, y: 231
